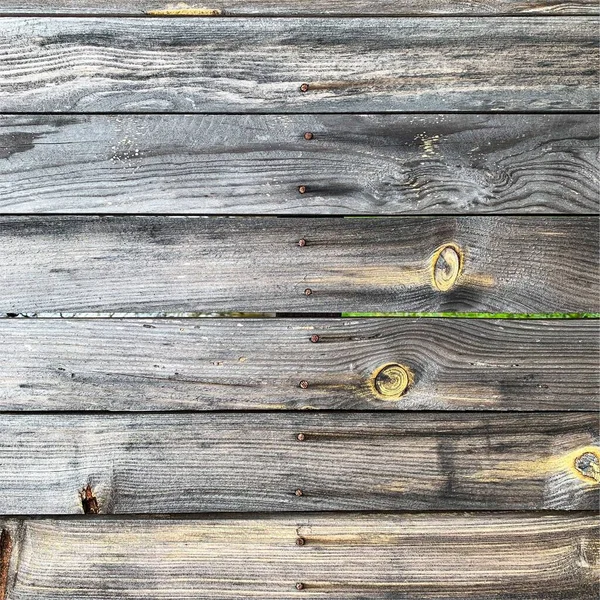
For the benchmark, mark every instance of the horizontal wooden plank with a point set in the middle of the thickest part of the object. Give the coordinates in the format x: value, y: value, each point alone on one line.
x: 193, y: 462
x: 206, y: 364
x: 410, y: 556
x: 251, y: 164
x: 250, y: 65
x: 299, y: 7
x: 184, y: 264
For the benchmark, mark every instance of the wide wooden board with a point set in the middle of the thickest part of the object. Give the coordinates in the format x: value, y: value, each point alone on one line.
x: 195, y: 462
x: 410, y: 556
x: 299, y: 7
x: 254, y: 65
x: 236, y: 364
x: 106, y: 265
x: 251, y: 164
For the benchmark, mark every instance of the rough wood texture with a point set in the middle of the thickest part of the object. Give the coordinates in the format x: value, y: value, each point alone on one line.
x: 299, y: 7
x: 161, y: 264
x: 195, y: 462
x: 251, y: 65
x: 456, y: 364
x: 354, y: 164
x: 383, y: 557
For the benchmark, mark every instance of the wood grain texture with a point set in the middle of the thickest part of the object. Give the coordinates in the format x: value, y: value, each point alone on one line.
x: 207, y: 364
x: 411, y: 556
x: 251, y: 65
x: 251, y: 164
x: 154, y: 265
x: 184, y: 463
x: 300, y: 7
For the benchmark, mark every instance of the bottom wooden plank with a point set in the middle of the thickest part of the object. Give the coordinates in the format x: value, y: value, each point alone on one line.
x: 438, y: 556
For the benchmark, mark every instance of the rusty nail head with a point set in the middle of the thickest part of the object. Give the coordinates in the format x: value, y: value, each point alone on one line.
x: 302, y: 189
x: 302, y: 243
x: 307, y: 292
x: 314, y: 338
x: 308, y: 135
x: 300, y: 437
x: 299, y: 492
x: 304, y: 87
x: 304, y: 384
x: 300, y: 541
x: 299, y: 586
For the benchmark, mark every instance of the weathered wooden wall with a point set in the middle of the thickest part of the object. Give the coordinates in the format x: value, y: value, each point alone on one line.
x: 165, y: 162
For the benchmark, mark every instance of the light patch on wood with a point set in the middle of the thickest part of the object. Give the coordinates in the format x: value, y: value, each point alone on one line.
x: 527, y: 469
x: 372, y: 275
x: 181, y: 9
x: 428, y: 144
x: 446, y: 266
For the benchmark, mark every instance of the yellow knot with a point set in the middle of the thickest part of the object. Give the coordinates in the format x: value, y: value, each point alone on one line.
x: 392, y: 381
x: 447, y: 265
x: 588, y: 464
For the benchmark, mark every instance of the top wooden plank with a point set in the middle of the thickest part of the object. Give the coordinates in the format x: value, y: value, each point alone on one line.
x: 307, y: 65
x: 300, y: 7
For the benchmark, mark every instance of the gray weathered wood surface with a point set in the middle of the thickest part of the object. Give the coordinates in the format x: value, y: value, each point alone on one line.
x: 299, y: 7
x: 410, y: 556
x: 170, y: 463
x: 249, y: 164
x: 250, y: 65
x: 207, y: 364
x: 183, y: 264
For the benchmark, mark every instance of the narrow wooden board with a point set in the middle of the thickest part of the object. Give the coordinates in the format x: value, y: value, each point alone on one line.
x: 196, y: 462
x: 254, y: 164
x: 207, y: 364
x: 165, y: 264
x: 299, y: 7
x: 251, y: 65
x: 411, y: 556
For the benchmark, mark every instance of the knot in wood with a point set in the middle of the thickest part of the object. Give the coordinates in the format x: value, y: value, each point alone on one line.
x: 447, y: 265
x: 392, y: 381
x: 588, y: 464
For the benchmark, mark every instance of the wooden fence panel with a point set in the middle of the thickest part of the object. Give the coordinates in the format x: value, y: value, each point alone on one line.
x: 241, y: 364
x: 299, y: 7
x: 251, y: 164
x: 190, y: 463
x: 409, y: 556
x: 167, y: 265
x: 298, y: 64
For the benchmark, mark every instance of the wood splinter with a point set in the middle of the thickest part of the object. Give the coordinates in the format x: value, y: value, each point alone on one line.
x: 88, y: 501
x: 5, y: 552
